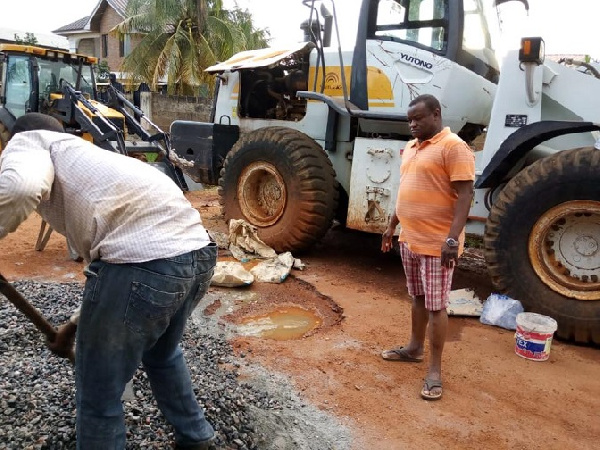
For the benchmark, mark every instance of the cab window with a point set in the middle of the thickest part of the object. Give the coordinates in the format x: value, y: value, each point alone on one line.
x: 420, y: 22
x: 18, y: 85
x: 475, y: 35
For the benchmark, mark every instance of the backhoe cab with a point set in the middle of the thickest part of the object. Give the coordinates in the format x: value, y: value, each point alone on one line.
x: 56, y: 83
x: 63, y: 85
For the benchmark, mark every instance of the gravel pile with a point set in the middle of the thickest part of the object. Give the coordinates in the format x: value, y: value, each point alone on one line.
x: 37, y: 392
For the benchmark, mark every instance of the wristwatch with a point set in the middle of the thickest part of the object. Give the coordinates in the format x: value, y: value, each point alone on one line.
x: 450, y: 242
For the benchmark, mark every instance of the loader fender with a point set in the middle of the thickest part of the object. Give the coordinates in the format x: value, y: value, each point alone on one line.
x: 522, y: 141
x: 204, y: 146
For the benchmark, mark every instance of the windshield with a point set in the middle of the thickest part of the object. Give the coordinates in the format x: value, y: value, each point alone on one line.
x: 18, y: 85
x: 423, y: 22
x: 53, y: 74
x: 476, y: 35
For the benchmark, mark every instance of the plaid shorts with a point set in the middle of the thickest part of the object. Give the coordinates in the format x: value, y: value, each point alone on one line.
x: 426, y: 276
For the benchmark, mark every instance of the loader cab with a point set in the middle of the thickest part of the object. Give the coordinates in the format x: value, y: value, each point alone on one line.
x: 435, y: 30
x: 457, y: 30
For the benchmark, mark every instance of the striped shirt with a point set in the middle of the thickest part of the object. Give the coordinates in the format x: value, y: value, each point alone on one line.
x: 109, y: 206
x: 426, y: 199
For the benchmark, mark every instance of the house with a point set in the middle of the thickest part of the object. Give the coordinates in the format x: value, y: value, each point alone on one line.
x: 91, y: 35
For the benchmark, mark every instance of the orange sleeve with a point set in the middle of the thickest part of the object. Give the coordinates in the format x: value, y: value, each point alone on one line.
x: 459, y: 162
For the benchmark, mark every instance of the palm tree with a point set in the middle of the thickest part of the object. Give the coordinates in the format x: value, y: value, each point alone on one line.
x: 181, y: 38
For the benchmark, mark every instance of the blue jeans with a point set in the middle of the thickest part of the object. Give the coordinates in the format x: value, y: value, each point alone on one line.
x: 132, y: 314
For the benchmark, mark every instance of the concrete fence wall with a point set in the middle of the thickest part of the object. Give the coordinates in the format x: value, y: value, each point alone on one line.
x: 164, y: 109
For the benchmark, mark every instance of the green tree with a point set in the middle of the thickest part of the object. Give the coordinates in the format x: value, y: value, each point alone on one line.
x: 103, y: 70
x: 181, y: 38
x: 29, y: 39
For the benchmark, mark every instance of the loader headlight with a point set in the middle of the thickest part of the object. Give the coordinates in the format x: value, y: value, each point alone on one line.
x: 532, y: 50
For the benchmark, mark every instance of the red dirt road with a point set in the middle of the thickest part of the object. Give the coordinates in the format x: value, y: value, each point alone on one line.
x: 492, y: 398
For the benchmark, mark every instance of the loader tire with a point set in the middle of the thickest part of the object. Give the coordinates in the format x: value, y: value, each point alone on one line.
x: 281, y: 181
x: 542, y: 241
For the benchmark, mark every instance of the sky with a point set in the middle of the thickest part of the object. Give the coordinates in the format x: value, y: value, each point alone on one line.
x: 567, y: 27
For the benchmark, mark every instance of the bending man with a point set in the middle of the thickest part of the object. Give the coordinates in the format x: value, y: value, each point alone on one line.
x: 150, y: 262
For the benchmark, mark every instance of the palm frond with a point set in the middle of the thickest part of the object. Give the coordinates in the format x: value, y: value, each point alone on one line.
x: 184, y: 37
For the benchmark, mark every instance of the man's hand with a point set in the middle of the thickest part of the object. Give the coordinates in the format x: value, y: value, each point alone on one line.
x: 449, y: 256
x: 388, y: 234
x: 386, y: 240
x: 62, y: 345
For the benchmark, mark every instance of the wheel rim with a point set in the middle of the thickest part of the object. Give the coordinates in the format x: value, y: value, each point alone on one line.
x: 564, y: 249
x: 262, y: 194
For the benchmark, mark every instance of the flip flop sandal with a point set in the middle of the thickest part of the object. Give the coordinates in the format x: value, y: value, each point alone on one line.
x: 428, y: 386
x: 399, y: 354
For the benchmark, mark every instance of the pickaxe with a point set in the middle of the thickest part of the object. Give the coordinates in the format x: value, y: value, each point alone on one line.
x: 30, y: 312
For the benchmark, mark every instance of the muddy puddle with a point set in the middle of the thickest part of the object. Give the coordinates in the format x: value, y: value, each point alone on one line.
x: 281, y: 324
x: 286, y: 311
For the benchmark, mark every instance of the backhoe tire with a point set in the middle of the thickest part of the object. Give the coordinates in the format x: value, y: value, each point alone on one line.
x: 542, y: 241
x: 281, y: 181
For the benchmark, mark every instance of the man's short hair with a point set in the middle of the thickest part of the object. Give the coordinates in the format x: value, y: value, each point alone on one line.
x: 36, y: 121
x: 429, y: 100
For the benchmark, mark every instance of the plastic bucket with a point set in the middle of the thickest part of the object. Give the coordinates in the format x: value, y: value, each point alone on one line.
x: 534, y: 336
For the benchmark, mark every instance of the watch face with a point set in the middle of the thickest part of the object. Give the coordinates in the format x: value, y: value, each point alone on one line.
x: 452, y: 242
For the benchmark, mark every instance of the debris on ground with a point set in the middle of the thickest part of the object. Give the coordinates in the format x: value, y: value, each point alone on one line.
x: 244, y: 245
x: 501, y: 310
x: 221, y: 239
x: 245, y: 236
x: 231, y: 274
x: 274, y: 270
x: 464, y: 302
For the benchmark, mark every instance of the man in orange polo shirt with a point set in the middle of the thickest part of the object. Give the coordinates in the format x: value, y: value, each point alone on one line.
x: 433, y: 202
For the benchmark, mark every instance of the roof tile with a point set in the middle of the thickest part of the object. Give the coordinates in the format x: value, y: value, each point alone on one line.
x: 79, y: 25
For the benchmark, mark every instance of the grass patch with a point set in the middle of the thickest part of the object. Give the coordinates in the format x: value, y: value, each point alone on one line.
x: 151, y: 157
x: 474, y: 241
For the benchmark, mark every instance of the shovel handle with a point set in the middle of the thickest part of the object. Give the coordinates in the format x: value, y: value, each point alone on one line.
x: 27, y: 308
x: 21, y: 303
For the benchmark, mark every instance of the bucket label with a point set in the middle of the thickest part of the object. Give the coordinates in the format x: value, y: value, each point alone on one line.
x: 536, y: 349
x: 531, y: 346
